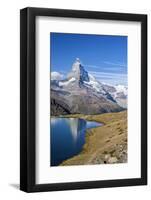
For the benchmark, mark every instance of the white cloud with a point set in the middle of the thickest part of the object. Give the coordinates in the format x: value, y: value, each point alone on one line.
x: 115, y: 63
x: 108, y: 74
x: 93, y: 66
x: 56, y: 76
x: 108, y: 66
x: 110, y: 78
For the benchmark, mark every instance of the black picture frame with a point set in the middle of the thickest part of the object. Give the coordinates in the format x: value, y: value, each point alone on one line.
x: 28, y: 99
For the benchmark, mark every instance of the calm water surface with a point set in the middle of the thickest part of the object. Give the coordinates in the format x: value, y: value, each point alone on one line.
x: 67, y: 136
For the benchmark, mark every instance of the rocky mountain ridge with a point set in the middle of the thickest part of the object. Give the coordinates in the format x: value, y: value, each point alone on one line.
x: 80, y: 92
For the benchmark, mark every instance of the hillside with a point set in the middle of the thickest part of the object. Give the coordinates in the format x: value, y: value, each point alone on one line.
x: 105, y: 144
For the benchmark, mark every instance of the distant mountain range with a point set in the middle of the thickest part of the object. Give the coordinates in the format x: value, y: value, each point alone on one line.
x: 80, y: 92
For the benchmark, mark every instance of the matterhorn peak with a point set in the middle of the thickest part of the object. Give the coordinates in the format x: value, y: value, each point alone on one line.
x: 76, y: 65
x: 78, y: 60
x: 78, y: 72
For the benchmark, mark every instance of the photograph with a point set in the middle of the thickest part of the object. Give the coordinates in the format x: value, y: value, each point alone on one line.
x: 88, y: 99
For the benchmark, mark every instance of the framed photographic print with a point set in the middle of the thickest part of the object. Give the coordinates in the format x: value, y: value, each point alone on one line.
x: 83, y: 95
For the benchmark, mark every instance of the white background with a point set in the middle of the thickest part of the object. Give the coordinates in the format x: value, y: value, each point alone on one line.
x: 9, y: 99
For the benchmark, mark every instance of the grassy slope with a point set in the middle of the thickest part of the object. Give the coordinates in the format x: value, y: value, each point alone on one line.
x: 105, y: 144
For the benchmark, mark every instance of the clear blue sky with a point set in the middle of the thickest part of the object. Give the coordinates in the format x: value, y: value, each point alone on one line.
x: 104, y: 56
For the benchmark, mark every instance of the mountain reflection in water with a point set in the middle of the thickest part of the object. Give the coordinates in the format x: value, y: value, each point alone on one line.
x: 67, y: 136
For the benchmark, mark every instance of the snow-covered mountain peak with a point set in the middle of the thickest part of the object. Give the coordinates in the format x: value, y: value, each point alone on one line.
x: 78, y: 72
x: 76, y: 65
x: 121, y: 88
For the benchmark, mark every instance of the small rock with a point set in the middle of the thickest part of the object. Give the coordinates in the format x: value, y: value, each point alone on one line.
x: 112, y: 160
x: 107, y: 156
